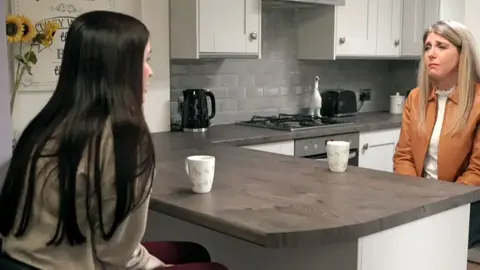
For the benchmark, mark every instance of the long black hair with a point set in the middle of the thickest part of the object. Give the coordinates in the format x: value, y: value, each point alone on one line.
x: 100, y: 84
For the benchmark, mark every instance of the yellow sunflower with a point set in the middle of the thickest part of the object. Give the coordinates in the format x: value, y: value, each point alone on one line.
x: 29, y: 31
x: 50, y: 28
x: 14, y: 29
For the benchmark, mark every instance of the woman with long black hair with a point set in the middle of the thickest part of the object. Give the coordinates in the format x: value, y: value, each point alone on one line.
x: 77, y: 190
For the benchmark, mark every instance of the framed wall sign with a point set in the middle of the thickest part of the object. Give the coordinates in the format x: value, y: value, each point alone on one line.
x: 45, y: 72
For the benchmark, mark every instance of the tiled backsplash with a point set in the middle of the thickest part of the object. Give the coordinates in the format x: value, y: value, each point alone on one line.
x: 279, y: 82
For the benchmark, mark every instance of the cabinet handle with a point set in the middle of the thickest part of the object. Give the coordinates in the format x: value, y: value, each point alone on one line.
x: 397, y: 42
x: 342, y: 40
x: 365, y: 147
x: 253, y: 36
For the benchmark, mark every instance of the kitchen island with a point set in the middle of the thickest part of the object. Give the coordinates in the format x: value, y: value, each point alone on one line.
x: 268, y: 211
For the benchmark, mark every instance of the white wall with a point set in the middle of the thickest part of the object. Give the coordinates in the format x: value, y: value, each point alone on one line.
x: 155, y: 14
x: 5, y: 119
x: 472, y: 18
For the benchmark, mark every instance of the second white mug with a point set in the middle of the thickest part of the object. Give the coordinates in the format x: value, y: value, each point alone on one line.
x: 201, y: 171
x: 337, y: 155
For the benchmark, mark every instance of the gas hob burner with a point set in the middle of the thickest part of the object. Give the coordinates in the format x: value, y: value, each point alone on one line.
x: 292, y: 122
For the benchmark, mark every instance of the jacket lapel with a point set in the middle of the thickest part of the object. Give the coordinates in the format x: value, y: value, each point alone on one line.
x: 446, y: 139
x: 430, y: 118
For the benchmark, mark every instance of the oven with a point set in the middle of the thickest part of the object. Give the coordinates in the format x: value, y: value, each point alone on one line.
x: 316, y: 147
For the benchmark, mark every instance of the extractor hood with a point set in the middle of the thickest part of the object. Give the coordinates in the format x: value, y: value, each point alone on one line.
x: 303, y: 3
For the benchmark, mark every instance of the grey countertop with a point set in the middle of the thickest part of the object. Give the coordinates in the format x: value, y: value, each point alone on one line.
x: 242, y: 135
x: 283, y: 201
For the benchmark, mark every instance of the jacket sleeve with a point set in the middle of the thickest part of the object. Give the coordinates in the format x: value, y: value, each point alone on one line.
x: 124, y: 250
x: 472, y: 175
x: 403, y: 159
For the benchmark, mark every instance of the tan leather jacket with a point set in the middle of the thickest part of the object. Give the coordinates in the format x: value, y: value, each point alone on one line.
x: 458, y: 155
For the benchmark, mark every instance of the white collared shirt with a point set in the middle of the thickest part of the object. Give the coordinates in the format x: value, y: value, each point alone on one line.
x: 431, y: 159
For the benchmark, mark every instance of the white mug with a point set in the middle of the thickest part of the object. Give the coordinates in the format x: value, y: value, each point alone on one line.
x: 337, y: 155
x: 200, y: 170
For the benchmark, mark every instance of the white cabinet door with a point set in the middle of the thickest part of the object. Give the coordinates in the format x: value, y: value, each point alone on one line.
x: 377, y: 149
x: 253, y: 18
x: 283, y: 148
x: 222, y: 26
x: 207, y: 20
x: 389, y: 27
x: 356, y: 24
x: 418, y: 15
x: 215, y: 28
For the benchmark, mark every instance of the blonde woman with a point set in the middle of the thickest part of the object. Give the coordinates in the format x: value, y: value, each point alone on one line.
x: 439, y: 138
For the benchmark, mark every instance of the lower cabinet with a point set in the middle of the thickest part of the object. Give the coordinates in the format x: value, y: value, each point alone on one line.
x: 283, y: 148
x: 377, y: 149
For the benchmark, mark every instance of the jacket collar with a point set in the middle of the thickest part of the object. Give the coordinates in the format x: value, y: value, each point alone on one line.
x: 453, y: 95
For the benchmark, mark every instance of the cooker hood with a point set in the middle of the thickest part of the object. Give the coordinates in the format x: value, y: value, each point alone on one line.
x: 303, y: 3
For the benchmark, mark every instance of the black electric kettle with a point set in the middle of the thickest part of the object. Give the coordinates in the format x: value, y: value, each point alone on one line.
x: 193, y: 110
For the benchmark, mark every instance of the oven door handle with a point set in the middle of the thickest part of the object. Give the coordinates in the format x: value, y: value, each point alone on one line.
x: 352, y: 154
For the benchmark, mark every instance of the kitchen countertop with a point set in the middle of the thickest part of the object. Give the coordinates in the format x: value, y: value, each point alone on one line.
x: 239, y: 135
x: 283, y: 201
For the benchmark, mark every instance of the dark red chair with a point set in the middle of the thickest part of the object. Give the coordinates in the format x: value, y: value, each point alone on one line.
x: 183, y: 255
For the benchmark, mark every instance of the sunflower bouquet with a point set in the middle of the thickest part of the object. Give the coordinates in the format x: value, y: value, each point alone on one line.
x: 23, y: 34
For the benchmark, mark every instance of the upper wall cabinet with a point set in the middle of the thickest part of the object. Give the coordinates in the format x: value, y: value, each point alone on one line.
x: 360, y: 28
x: 215, y: 29
x: 371, y: 28
x: 418, y: 15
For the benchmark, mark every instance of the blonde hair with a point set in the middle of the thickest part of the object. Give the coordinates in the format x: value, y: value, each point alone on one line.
x: 468, y: 72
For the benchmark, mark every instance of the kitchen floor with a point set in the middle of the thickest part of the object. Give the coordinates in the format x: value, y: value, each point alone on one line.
x: 473, y: 266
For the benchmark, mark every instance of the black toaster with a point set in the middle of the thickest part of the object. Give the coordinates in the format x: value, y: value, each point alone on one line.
x: 338, y: 103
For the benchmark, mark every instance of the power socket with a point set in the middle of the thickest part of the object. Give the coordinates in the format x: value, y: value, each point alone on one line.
x: 365, y: 94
